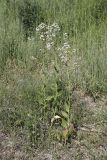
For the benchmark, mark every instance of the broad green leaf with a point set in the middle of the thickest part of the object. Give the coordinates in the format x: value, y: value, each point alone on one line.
x: 64, y: 123
x: 67, y: 108
x: 64, y: 114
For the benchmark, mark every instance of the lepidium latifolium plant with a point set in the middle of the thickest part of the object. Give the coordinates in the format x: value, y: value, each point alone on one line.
x: 57, y: 85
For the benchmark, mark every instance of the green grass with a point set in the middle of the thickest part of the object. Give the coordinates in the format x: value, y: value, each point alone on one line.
x: 34, y: 84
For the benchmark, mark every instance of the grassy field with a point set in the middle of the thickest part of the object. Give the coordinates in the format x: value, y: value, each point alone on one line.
x: 53, y: 79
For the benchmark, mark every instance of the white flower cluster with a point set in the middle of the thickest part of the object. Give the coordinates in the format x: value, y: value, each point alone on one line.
x: 47, y: 33
x: 64, y: 50
x: 31, y: 39
x: 40, y: 27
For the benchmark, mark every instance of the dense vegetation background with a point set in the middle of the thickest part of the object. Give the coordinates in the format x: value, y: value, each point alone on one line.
x: 37, y: 75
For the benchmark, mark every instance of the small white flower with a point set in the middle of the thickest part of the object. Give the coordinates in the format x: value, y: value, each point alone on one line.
x: 37, y: 29
x: 59, y: 49
x: 46, y: 33
x: 29, y: 115
x: 41, y: 36
x: 65, y: 35
x: 66, y: 45
x: 49, y: 38
x: 53, y: 35
x: 49, y: 28
x: 56, y: 26
x: 33, y: 58
x: 64, y: 59
x: 29, y: 38
x: 33, y: 132
x: 48, y: 46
